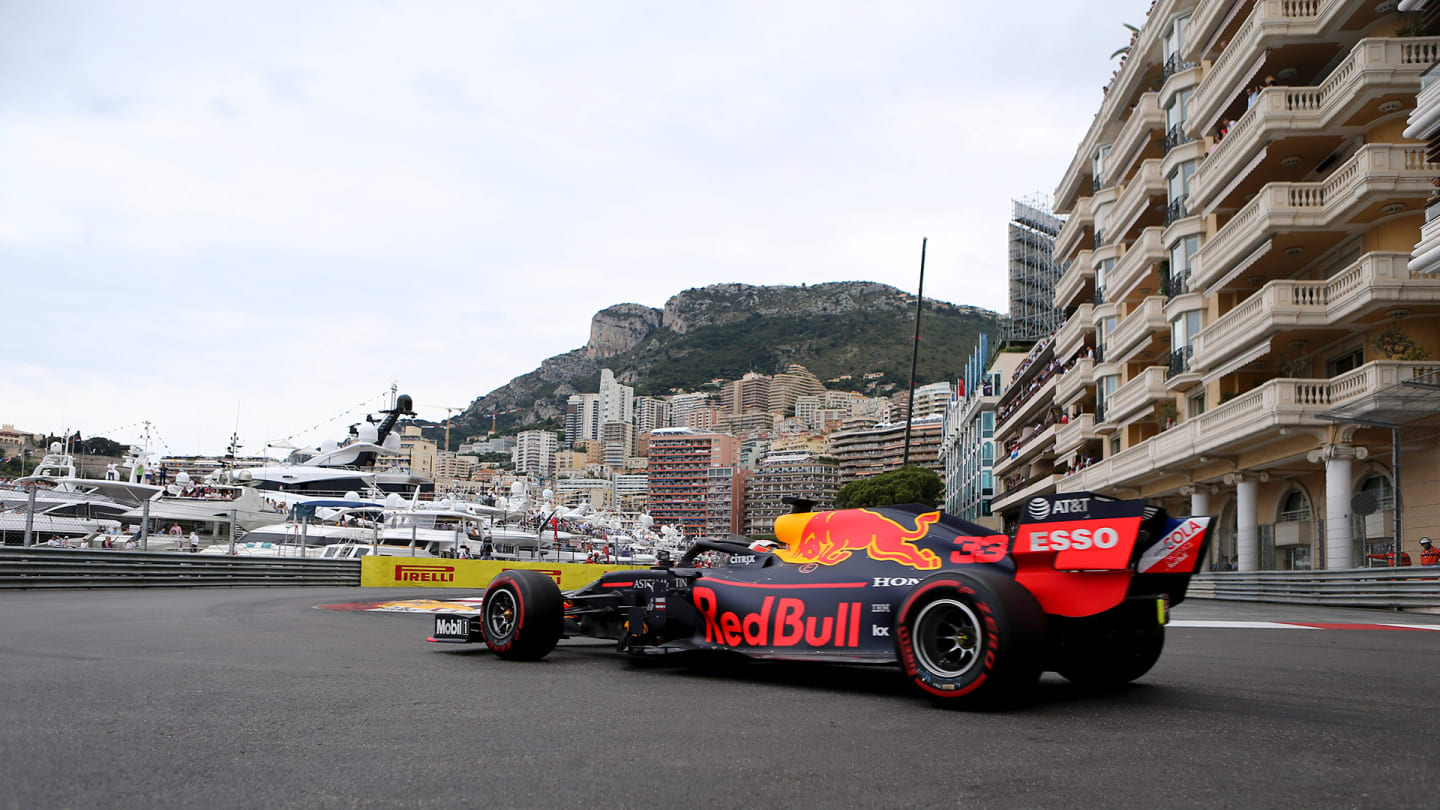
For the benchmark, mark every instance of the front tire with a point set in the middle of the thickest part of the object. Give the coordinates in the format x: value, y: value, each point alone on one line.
x: 524, y: 615
x: 971, y: 638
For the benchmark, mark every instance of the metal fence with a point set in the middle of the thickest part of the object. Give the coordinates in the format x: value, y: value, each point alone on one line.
x: 1367, y: 587
x: 43, y: 567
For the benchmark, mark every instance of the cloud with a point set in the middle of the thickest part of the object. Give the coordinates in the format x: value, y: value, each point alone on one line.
x: 285, y: 207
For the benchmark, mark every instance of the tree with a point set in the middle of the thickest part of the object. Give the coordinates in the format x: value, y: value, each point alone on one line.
x: 905, y: 485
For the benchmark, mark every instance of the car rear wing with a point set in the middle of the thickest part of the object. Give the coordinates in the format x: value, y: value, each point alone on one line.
x: 1080, y: 554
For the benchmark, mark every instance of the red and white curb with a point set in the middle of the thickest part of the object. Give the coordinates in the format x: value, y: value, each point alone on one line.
x: 1300, y: 625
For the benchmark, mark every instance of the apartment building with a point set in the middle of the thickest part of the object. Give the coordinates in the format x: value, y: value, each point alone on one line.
x: 749, y: 394
x: 651, y: 413
x: 679, y: 477
x: 967, y: 447
x: 416, y: 453
x: 930, y: 399
x: 618, y: 439
x: 453, y: 466
x: 535, y: 453
x: 1236, y: 265
x: 786, y: 388
x: 583, y: 417
x: 871, y: 450
x: 725, y: 501
x: 791, y: 474
x: 631, y: 491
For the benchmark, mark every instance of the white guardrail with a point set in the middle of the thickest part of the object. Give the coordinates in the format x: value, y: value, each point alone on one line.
x: 1406, y: 587
x: 37, y: 567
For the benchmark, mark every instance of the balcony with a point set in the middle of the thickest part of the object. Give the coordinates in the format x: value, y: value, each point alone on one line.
x: 1174, y: 286
x: 1376, y: 171
x: 1073, y: 434
x: 1174, y: 65
x: 1374, y: 67
x: 1072, y: 282
x: 1134, y: 138
x: 1074, y: 381
x: 1071, y: 335
x: 1427, y: 253
x: 1143, y: 389
x: 1135, y: 201
x: 1270, y: 22
x: 1029, y: 409
x: 1376, y: 281
x: 1136, y: 328
x: 1247, y: 422
x: 1040, y: 444
x: 1181, y: 367
x: 1175, y: 136
x: 1135, y: 265
x: 1070, y: 233
x: 1042, y: 485
x: 1176, y: 210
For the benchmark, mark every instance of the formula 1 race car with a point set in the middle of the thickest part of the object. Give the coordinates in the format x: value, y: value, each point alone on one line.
x: 1083, y: 588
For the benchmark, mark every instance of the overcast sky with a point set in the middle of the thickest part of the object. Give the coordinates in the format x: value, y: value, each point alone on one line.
x: 276, y: 209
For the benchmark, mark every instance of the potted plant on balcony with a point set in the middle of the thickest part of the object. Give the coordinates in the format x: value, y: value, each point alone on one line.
x: 1166, y: 415
x: 1396, y: 345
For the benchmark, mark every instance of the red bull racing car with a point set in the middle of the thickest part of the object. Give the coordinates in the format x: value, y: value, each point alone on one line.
x: 1082, y: 588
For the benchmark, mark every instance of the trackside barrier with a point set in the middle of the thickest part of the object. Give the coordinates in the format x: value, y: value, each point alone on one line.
x: 430, y: 572
x: 1411, y: 588
x: 44, y: 567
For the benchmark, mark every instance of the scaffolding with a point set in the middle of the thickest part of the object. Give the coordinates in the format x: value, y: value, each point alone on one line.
x: 1033, y: 271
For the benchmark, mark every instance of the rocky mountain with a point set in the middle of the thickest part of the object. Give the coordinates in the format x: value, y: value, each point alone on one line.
x: 725, y: 330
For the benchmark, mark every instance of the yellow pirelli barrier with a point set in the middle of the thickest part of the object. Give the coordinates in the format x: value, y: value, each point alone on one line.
x: 431, y: 572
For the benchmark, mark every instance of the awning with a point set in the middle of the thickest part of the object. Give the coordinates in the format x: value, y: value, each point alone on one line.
x: 1238, y: 362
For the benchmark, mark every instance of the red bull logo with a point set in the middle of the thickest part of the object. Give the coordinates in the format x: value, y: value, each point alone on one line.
x: 780, y: 623
x: 829, y: 538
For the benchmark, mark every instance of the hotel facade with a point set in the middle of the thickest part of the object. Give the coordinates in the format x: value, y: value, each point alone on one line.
x: 1235, y: 267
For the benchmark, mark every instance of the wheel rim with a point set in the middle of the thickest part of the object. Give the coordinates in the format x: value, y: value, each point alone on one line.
x: 500, y: 611
x: 948, y: 637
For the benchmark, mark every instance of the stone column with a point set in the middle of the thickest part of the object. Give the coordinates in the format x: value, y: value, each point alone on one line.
x: 1339, y: 538
x: 1247, y: 519
x: 1199, y: 501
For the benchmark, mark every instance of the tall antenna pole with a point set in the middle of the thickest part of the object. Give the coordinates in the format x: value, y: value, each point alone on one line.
x: 915, y: 354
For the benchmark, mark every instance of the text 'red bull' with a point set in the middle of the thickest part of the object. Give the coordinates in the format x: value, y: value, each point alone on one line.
x: 780, y: 623
x: 829, y: 538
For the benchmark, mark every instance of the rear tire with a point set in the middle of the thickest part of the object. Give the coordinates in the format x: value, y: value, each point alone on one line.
x: 1112, y: 657
x: 524, y: 615
x: 971, y: 638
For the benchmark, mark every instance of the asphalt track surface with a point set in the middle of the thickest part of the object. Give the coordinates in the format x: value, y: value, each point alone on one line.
x: 254, y: 698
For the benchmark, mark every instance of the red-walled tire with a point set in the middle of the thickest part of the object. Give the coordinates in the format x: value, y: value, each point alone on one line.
x: 524, y: 615
x: 971, y: 638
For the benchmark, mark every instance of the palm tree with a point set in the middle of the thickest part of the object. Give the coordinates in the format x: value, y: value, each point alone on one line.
x: 1134, y: 32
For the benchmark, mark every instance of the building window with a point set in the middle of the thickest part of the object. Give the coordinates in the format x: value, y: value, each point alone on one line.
x: 1175, y: 114
x: 1349, y: 361
x: 1184, y: 329
x: 1114, y: 444
x: 987, y: 424
x: 1380, y: 488
x: 1180, y: 255
x: 1196, y: 404
x: 1175, y: 36
x: 987, y: 453
x: 1097, y: 168
x: 1102, y: 272
x: 1179, y: 181
x: 1294, y: 508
